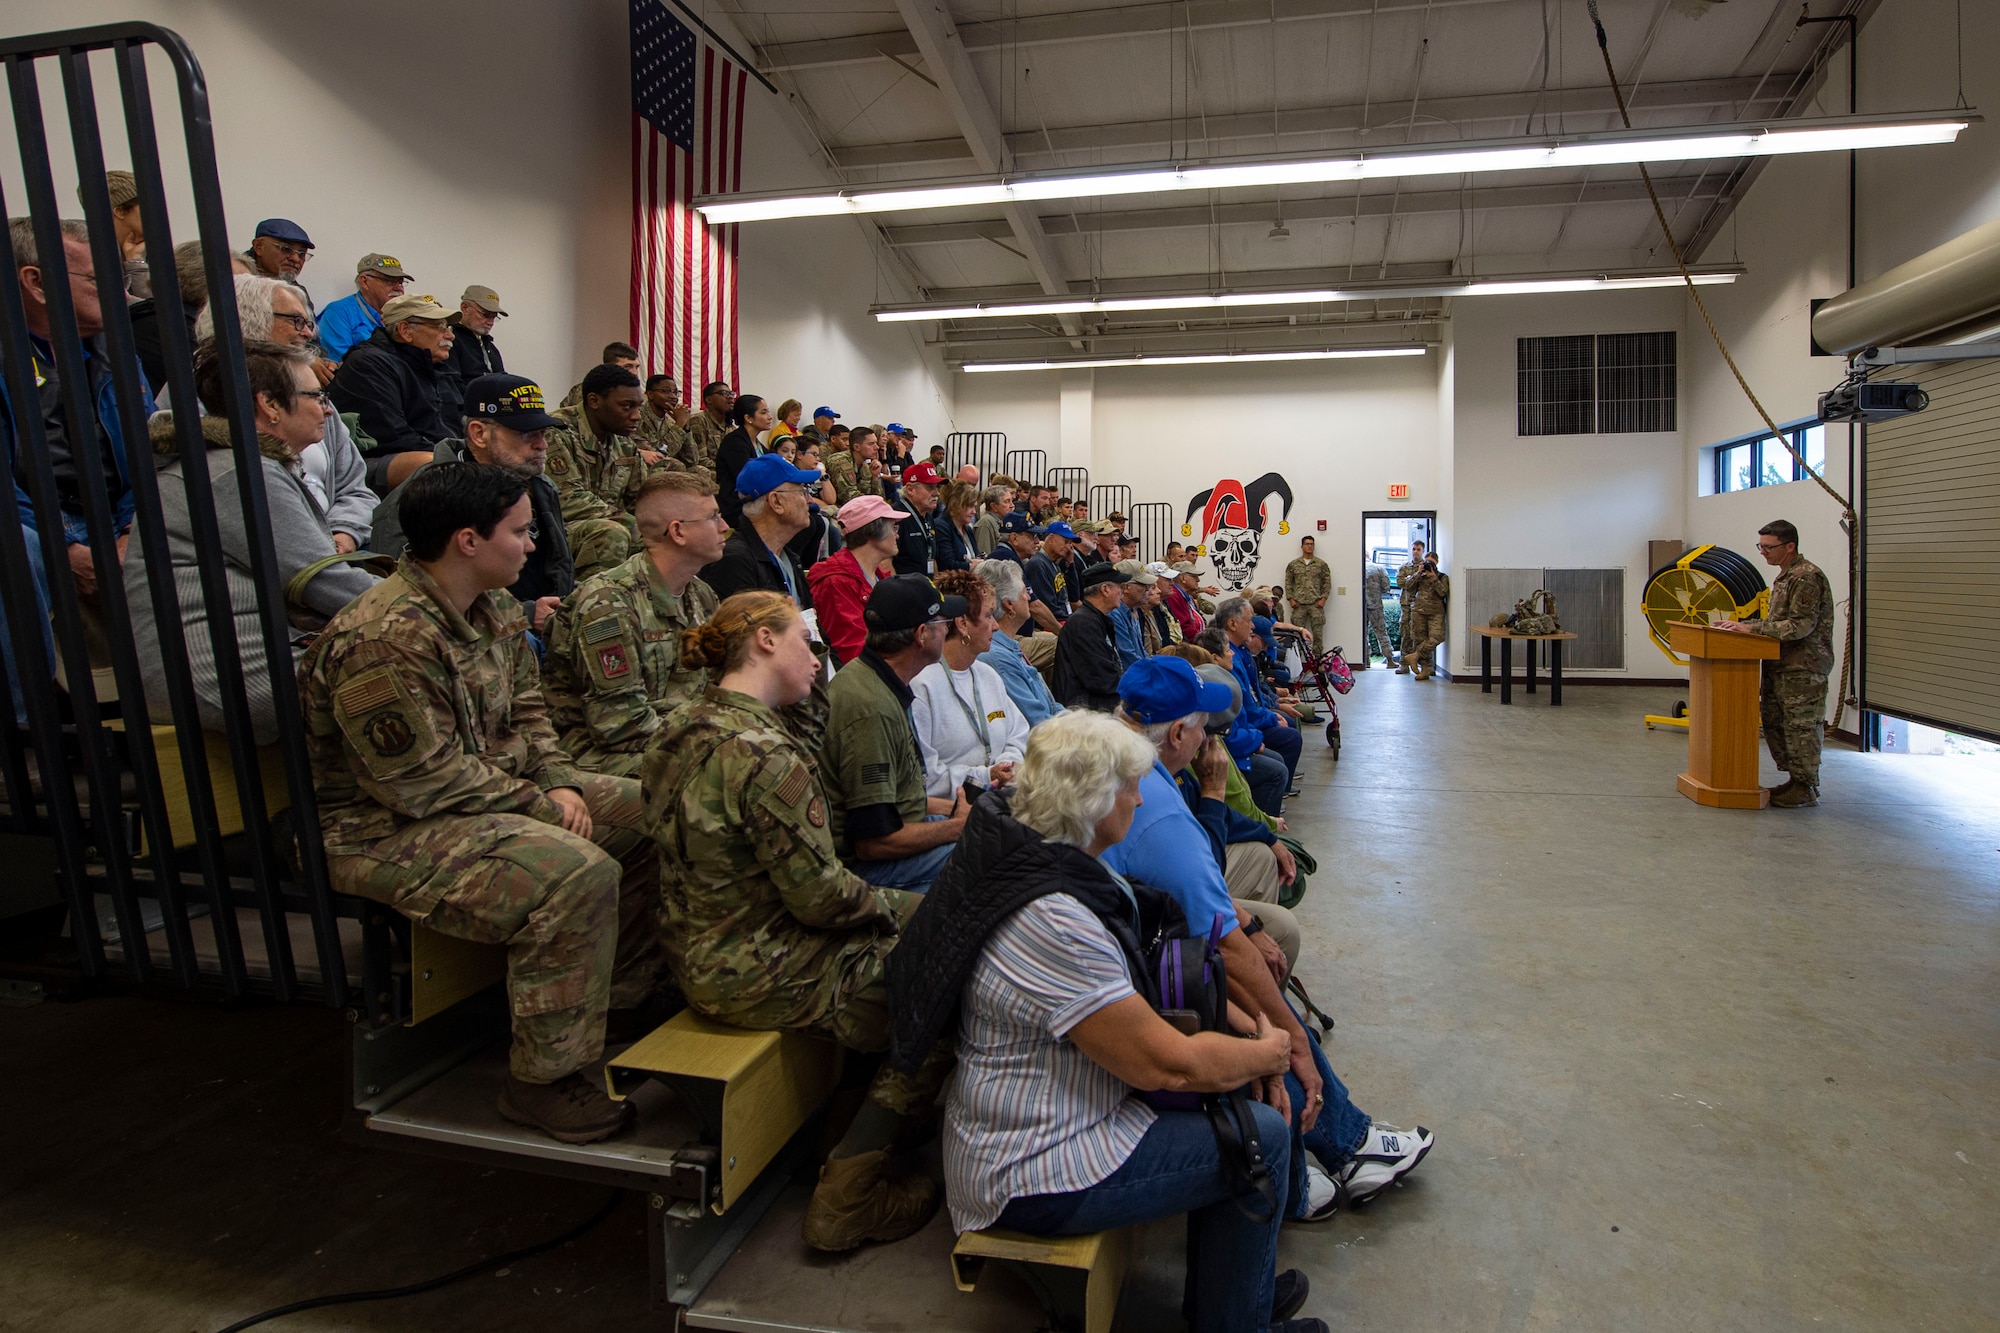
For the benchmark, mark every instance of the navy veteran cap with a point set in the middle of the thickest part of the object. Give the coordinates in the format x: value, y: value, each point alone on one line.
x: 513, y: 401
x: 908, y: 601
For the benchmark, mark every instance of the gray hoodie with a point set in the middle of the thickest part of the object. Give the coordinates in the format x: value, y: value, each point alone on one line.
x: 300, y: 534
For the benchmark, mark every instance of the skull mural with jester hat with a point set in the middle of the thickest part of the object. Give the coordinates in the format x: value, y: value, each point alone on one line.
x: 1233, y: 517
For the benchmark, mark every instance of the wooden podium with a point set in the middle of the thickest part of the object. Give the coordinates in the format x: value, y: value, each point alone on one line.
x: 1723, y: 721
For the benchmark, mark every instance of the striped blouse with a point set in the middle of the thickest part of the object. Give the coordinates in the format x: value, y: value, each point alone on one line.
x: 1029, y: 1113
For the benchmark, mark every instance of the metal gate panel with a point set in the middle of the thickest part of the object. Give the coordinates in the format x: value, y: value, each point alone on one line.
x: 1590, y: 603
x: 100, y: 846
x: 984, y: 449
x: 1153, y: 524
x: 1027, y: 466
x: 1930, y: 604
x: 1071, y: 481
x: 1105, y: 500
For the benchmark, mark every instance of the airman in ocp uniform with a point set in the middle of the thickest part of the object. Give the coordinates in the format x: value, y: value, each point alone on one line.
x: 1406, y: 594
x: 1308, y: 584
x: 663, y: 424
x: 1375, y: 587
x: 768, y: 929
x: 1792, y: 699
x: 443, y: 793
x: 613, y: 669
x: 1424, y: 619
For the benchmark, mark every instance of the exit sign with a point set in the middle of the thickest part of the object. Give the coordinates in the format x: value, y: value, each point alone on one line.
x: 1399, y: 490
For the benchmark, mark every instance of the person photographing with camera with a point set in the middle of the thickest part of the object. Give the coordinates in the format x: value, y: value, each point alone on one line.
x: 1427, y: 593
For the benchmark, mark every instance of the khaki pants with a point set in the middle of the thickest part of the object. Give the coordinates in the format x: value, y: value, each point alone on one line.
x: 577, y: 916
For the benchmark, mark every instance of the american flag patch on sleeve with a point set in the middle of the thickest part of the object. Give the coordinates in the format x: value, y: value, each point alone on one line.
x: 598, y: 631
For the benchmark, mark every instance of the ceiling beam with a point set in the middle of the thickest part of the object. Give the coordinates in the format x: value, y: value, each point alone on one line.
x: 1673, y: 190
x: 1740, y: 96
x: 930, y: 24
x: 1089, y: 25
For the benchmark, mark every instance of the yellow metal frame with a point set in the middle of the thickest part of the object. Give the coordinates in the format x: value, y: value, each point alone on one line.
x: 1102, y: 1257
x: 1744, y: 611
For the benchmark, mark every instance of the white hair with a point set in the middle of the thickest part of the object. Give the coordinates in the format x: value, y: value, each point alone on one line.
x: 1156, y: 732
x: 1077, y: 762
x: 753, y: 509
x: 1004, y: 577
x: 253, y: 309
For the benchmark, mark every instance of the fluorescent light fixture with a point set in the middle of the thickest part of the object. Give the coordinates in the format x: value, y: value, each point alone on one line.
x: 1678, y: 143
x: 1210, y: 359
x: 1502, y: 286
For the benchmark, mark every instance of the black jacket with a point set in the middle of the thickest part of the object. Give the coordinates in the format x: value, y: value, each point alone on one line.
x: 1087, y: 665
x: 550, y: 570
x: 736, y: 449
x: 148, y: 342
x: 394, y: 388
x: 747, y: 565
x: 948, y: 540
x: 999, y: 866
x: 916, y: 546
x: 473, y: 355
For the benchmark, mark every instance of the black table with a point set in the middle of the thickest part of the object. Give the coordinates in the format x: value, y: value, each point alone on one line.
x: 1487, y: 634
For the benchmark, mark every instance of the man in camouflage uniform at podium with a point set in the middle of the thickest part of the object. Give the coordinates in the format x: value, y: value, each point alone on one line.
x: 1793, y: 697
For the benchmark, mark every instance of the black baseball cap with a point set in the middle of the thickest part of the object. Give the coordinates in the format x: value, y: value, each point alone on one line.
x: 908, y: 601
x: 513, y: 401
x: 1097, y: 575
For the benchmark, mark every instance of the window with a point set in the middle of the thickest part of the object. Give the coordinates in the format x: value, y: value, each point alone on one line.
x: 1764, y: 461
x: 1595, y: 384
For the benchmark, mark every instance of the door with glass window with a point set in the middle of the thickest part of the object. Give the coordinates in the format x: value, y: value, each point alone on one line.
x: 1386, y: 538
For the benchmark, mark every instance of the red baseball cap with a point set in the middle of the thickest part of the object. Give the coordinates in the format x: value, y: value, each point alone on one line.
x: 923, y: 474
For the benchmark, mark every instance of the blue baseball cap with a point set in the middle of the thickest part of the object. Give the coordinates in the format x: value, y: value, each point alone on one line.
x: 826, y: 412
x: 1167, y: 689
x: 282, y: 229
x: 898, y: 428
x: 1261, y: 627
x: 1060, y: 529
x: 767, y: 472
x: 1016, y: 521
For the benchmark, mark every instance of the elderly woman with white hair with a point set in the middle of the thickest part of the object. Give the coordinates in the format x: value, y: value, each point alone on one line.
x: 332, y: 468
x: 1030, y: 947
x: 1025, y: 685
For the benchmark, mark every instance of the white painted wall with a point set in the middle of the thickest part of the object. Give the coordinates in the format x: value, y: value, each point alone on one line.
x: 1556, y: 501
x: 1791, y: 231
x: 489, y: 141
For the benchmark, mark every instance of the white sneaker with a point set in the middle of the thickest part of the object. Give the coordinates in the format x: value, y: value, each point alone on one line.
x: 1323, y: 1195
x: 1386, y: 1156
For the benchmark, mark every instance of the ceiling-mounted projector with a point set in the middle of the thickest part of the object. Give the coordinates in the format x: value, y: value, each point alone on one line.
x: 1879, y: 400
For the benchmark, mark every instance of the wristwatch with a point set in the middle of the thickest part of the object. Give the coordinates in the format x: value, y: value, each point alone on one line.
x: 1254, y: 925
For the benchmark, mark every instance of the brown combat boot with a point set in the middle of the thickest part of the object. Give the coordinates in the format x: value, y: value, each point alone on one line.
x: 858, y: 1201
x: 1789, y: 783
x: 1795, y: 796
x: 573, y: 1109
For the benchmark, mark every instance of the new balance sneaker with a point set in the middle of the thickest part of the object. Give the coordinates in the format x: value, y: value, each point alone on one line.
x: 1386, y: 1156
x: 1323, y: 1196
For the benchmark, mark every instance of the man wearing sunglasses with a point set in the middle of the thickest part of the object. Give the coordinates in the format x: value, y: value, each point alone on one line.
x: 1793, y: 698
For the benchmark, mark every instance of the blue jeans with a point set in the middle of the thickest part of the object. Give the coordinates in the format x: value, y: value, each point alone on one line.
x: 912, y: 873
x: 1232, y: 1259
x: 1268, y: 779
x: 1335, y: 1137
x: 1285, y: 742
x: 39, y: 579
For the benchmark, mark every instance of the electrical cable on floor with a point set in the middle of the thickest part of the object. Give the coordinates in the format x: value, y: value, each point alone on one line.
x: 418, y: 1288
x: 1850, y: 522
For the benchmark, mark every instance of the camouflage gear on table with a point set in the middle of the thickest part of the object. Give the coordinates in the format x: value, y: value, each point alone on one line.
x: 1308, y: 579
x: 706, y: 434
x: 767, y: 928
x: 612, y: 672
x: 1792, y: 700
x: 433, y: 758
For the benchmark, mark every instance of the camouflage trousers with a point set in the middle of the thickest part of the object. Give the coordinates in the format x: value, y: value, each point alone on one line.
x: 1313, y: 620
x: 577, y: 915
x: 1376, y: 631
x: 598, y: 544
x: 851, y: 1005
x: 1409, y: 629
x: 1423, y: 631
x: 1793, y: 703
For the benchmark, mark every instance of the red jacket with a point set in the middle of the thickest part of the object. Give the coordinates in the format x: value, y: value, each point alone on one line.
x: 1182, y: 610
x: 840, y: 593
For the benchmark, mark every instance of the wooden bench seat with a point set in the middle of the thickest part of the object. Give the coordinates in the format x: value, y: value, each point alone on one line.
x: 751, y: 1090
x: 1078, y: 1279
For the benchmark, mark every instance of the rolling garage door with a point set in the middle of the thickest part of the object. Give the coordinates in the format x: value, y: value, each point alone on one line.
x: 1931, y: 556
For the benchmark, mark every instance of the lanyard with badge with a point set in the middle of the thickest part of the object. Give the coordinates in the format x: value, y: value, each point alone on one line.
x: 975, y: 713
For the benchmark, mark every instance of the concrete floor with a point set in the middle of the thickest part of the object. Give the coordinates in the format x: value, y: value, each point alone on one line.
x: 1689, y: 1069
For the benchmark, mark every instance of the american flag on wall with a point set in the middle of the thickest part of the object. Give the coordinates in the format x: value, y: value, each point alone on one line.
x: 687, y: 140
